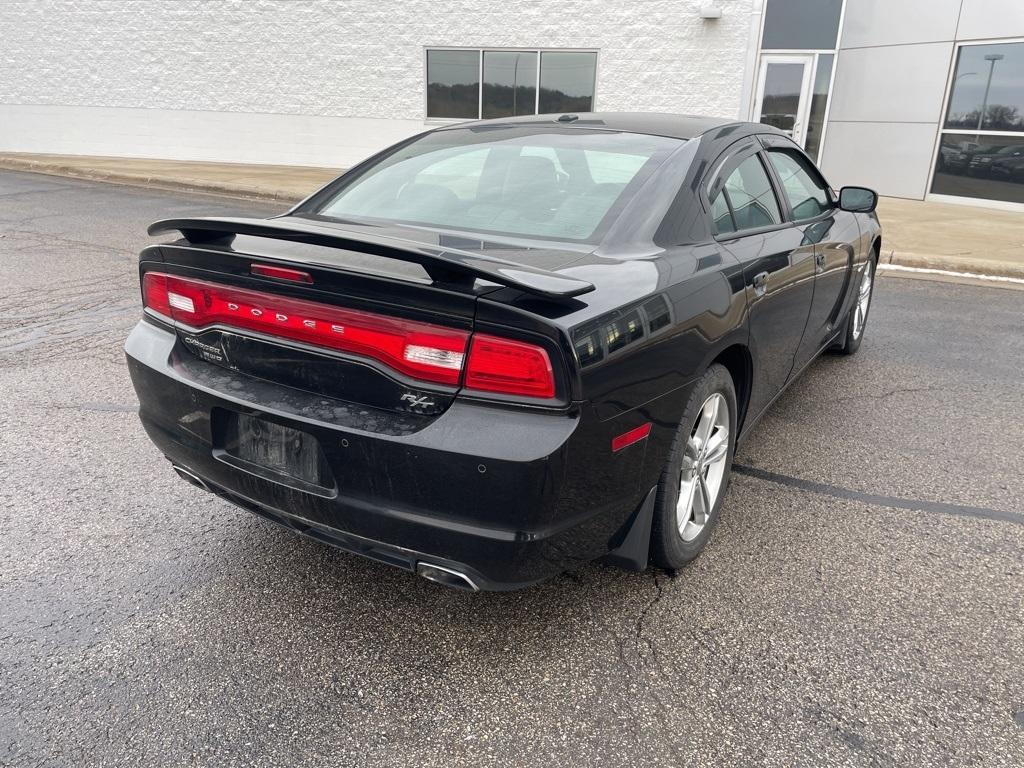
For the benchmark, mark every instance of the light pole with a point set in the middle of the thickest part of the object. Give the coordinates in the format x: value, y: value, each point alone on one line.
x: 991, y: 58
x: 515, y: 84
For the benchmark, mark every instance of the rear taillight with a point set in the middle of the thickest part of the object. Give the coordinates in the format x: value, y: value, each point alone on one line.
x: 421, y: 350
x: 154, y: 293
x: 509, y: 367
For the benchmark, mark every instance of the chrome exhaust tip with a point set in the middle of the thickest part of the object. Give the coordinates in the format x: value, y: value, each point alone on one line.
x: 188, y: 477
x: 440, y: 574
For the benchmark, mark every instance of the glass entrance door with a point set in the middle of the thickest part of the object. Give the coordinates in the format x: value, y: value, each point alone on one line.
x: 784, y: 93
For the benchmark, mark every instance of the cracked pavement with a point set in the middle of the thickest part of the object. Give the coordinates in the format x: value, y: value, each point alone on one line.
x: 861, y: 603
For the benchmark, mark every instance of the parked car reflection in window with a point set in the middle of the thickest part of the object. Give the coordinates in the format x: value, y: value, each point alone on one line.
x: 616, y: 331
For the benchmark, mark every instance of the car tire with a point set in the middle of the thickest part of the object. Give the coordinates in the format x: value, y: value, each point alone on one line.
x: 857, y: 320
x: 677, y: 533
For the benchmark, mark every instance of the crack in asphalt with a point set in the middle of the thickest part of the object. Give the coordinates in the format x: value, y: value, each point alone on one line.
x: 875, y: 396
x: 102, y: 407
x: 632, y: 671
x: 46, y: 238
x: 642, y: 616
x: 896, y: 502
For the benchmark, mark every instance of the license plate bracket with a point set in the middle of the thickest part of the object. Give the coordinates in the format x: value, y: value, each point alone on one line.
x: 273, y: 451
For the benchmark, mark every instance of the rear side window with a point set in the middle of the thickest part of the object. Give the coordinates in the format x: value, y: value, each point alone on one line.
x: 721, y: 216
x: 746, y: 200
x: 802, y: 186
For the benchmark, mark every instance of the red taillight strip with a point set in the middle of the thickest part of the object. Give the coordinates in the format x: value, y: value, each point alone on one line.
x: 627, y: 439
x: 421, y: 350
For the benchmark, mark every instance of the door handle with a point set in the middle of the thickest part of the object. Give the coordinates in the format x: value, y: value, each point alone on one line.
x: 819, y: 260
x: 760, y: 283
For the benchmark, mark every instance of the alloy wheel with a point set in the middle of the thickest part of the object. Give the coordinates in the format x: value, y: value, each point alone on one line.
x: 704, y: 458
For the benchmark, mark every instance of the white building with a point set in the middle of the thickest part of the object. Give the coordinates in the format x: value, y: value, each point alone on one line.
x: 913, y: 97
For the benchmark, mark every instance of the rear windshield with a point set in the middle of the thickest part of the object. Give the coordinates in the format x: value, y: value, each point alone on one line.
x: 527, y: 181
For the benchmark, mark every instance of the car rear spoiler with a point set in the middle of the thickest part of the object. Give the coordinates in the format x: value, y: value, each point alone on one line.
x: 443, y: 265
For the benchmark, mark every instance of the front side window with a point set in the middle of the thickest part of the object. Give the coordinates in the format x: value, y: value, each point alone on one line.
x: 475, y: 84
x: 533, y: 181
x: 746, y: 200
x: 806, y: 193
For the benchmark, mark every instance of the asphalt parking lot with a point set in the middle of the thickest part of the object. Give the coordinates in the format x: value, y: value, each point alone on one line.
x: 862, y: 602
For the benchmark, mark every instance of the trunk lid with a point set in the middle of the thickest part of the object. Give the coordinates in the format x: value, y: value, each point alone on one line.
x: 355, y: 276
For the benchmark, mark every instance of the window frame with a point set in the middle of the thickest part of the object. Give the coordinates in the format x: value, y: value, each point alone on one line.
x: 427, y: 119
x: 721, y: 169
x: 730, y: 167
x: 938, y: 197
x: 780, y: 187
x: 729, y: 160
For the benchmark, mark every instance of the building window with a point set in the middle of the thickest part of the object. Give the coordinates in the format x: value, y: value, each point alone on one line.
x: 981, y: 149
x: 472, y: 84
x: 510, y: 84
x: 801, y: 25
x: 798, y: 45
x: 453, y: 83
x: 567, y: 82
x: 819, y: 100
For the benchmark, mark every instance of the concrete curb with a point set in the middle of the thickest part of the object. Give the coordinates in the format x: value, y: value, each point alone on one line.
x: 954, y: 263
x: 172, y: 183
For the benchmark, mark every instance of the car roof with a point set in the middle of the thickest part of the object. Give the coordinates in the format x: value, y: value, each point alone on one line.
x: 653, y: 123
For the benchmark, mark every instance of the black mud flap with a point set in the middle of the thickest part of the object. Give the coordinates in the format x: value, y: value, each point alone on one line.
x: 633, y: 550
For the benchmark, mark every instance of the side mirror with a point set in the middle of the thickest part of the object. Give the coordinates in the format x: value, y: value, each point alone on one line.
x: 858, y: 199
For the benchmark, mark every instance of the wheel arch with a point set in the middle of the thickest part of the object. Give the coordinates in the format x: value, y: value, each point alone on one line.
x: 737, y: 360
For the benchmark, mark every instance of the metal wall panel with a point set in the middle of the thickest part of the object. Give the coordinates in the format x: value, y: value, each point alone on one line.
x: 871, y: 23
x: 892, y: 158
x: 895, y: 84
x: 981, y: 19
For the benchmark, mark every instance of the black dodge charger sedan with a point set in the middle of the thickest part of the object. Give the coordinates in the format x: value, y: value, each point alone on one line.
x: 499, y: 349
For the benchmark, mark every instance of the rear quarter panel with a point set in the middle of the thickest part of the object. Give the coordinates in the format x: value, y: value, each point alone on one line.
x: 630, y: 378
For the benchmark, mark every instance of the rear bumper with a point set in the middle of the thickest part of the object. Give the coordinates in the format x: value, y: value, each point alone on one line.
x: 508, y: 496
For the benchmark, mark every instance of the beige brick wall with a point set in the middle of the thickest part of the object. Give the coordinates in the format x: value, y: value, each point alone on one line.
x: 78, y: 62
